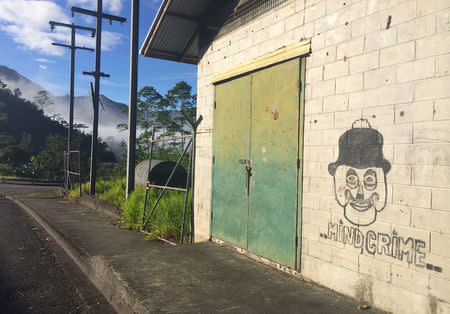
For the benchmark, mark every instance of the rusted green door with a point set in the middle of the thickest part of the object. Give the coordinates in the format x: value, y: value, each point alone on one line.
x: 255, y: 147
x: 273, y: 155
x: 231, y: 147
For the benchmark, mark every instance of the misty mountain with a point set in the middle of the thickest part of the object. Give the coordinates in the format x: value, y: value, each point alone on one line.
x: 14, y: 80
x: 83, y: 110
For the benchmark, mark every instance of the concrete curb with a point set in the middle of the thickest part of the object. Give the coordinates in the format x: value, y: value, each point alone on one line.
x: 27, y: 182
x: 104, y: 208
x: 107, y: 280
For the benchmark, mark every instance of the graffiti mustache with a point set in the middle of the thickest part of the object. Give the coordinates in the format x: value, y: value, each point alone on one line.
x: 361, y: 204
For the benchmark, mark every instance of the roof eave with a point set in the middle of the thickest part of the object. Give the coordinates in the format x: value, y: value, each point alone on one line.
x: 155, y: 24
x: 171, y: 57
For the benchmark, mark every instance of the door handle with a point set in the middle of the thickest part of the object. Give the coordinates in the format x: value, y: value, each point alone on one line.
x: 248, y: 170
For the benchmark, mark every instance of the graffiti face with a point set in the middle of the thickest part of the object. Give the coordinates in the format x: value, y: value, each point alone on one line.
x: 360, y: 188
x: 360, y: 174
x: 361, y: 192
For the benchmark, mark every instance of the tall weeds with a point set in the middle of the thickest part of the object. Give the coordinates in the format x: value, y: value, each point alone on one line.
x: 166, y: 219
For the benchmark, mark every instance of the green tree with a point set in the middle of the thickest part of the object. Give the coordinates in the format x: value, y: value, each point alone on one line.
x: 17, y: 92
x: 50, y: 160
x: 26, y: 132
x: 180, y: 97
x: 13, y: 156
x: 154, y: 110
x: 58, y: 118
x: 4, y: 87
x: 42, y: 99
x: 6, y: 139
x: 26, y: 142
x: 151, y: 111
x: 3, y: 117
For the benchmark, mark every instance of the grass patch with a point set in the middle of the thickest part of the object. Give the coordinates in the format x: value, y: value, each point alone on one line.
x: 11, y: 177
x: 165, y: 220
x: 74, y: 194
x: 55, y: 193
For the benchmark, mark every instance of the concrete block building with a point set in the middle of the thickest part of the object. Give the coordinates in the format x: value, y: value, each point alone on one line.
x: 325, y: 142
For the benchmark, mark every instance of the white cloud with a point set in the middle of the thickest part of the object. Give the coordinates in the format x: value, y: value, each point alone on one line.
x: 109, y: 40
x: 43, y: 67
x: 26, y: 22
x: 109, y: 6
x: 43, y: 60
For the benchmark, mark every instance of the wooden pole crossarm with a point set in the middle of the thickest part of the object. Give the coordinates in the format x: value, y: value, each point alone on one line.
x: 101, y: 15
x: 93, y: 73
x: 53, y: 23
x: 72, y: 47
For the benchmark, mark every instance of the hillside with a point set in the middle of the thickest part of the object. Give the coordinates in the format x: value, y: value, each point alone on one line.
x: 108, y: 118
x: 32, y: 143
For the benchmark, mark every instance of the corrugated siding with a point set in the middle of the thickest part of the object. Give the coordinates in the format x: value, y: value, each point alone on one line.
x: 173, y: 34
x: 193, y: 49
x: 192, y: 7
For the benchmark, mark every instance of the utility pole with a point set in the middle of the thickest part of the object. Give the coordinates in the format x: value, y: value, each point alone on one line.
x: 72, y: 48
x: 134, y: 40
x: 97, y: 74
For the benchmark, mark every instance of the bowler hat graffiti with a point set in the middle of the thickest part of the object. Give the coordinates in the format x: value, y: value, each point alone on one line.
x: 360, y: 174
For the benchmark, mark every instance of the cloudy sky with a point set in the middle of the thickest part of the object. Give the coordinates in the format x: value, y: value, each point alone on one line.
x: 26, y: 38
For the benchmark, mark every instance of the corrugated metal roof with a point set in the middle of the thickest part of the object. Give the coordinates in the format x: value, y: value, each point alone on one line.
x: 174, y: 32
x: 193, y: 49
x: 191, y: 7
x: 178, y: 31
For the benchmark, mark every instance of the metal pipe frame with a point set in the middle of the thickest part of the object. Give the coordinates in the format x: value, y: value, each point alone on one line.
x: 186, y: 197
x: 165, y: 187
x: 148, y: 175
x: 194, y: 125
x: 172, y: 138
x: 168, y: 187
x: 67, y: 172
x: 189, y: 180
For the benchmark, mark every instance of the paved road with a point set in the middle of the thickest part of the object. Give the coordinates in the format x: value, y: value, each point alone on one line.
x: 35, y: 273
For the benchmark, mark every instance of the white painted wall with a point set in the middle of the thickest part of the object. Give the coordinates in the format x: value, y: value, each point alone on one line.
x: 398, y: 79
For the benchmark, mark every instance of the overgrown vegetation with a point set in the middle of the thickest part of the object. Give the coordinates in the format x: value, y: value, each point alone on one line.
x: 166, y: 219
x: 161, y: 112
x: 33, y: 144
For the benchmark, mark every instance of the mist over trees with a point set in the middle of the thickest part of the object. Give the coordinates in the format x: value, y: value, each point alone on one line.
x: 162, y: 112
x: 33, y: 144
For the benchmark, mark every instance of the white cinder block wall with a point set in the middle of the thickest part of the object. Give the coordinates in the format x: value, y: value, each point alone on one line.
x: 398, y: 79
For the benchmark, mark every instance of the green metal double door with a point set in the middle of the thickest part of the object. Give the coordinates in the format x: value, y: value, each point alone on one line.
x: 256, y: 160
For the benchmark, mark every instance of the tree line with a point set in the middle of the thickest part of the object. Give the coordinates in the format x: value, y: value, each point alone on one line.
x: 32, y: 144
x: 162, y: 112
